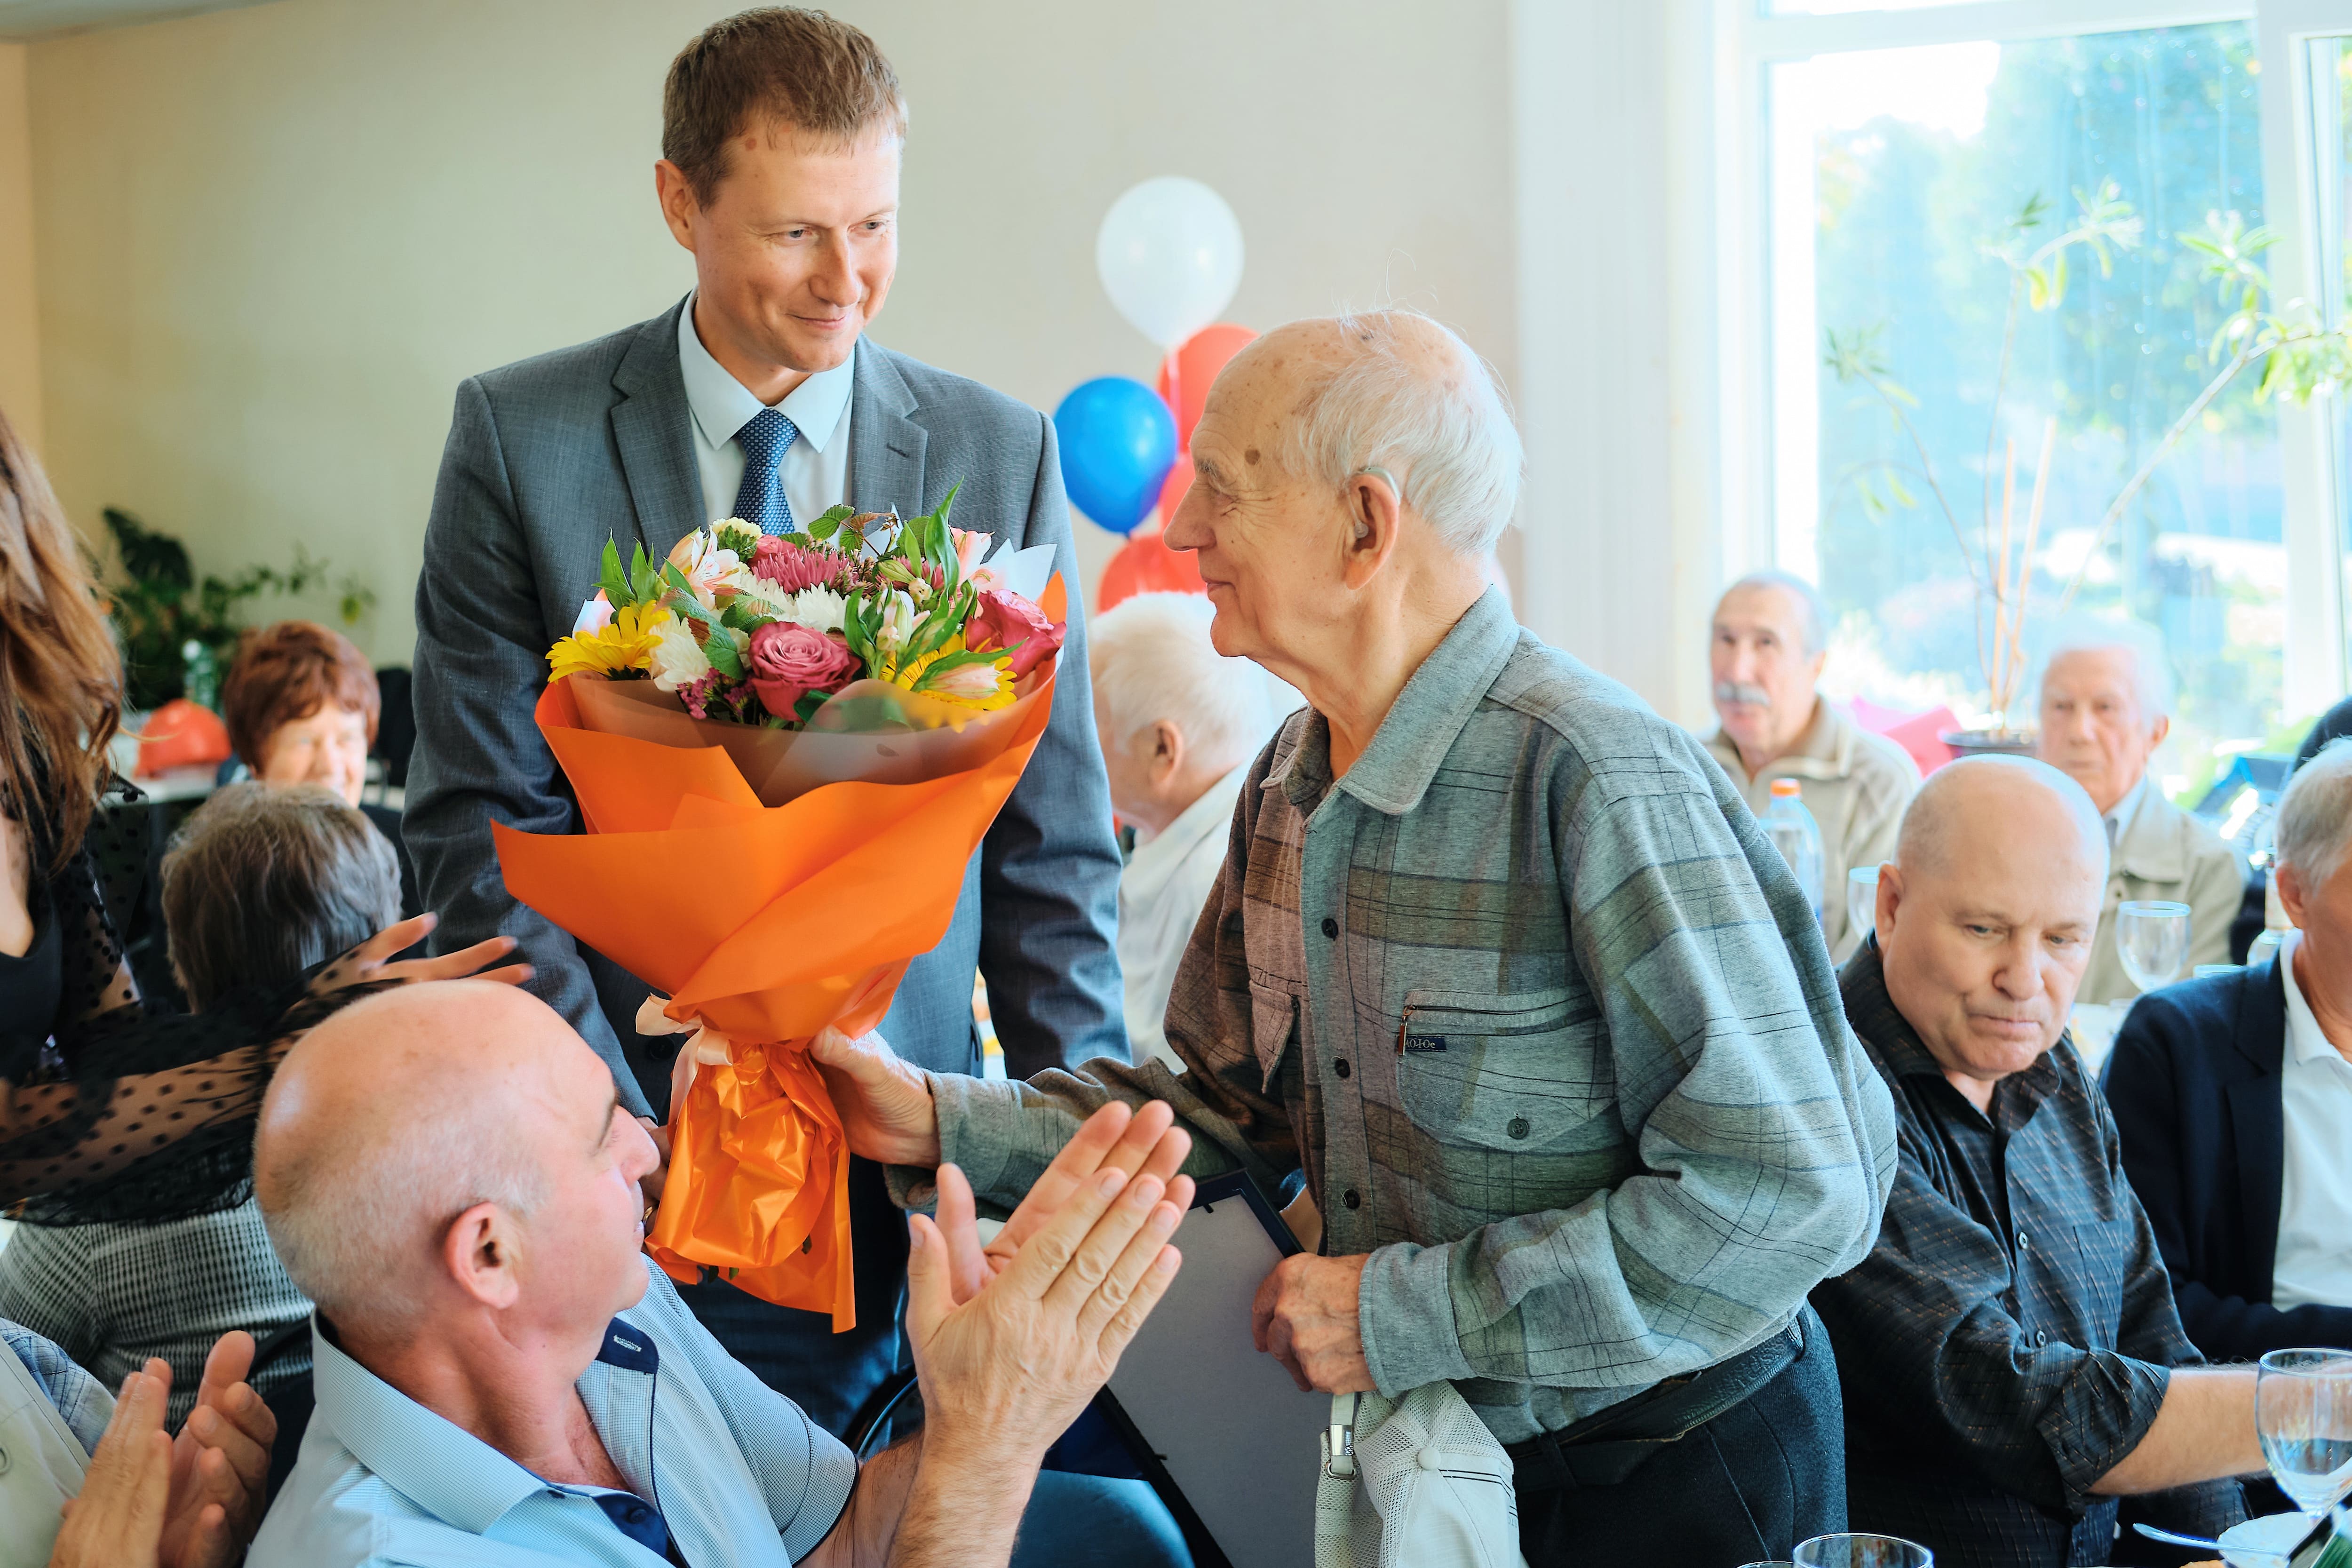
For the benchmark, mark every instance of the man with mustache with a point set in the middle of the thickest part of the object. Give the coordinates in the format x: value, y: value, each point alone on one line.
x: 1765, y: 654
x: 2010, y: 1354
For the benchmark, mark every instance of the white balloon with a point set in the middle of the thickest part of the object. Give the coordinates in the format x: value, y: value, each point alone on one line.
x: 1170, y: 253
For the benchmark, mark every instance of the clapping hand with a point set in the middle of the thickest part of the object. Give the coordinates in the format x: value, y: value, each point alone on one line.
x: 150, y: 1502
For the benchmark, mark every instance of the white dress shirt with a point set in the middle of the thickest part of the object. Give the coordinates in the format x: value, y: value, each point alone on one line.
x: 2314, y: 1261
x: 1160, y: 896
x: 816, y: 466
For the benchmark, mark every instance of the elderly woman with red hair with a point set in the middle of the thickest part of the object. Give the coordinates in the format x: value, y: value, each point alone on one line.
x: 302, y: 706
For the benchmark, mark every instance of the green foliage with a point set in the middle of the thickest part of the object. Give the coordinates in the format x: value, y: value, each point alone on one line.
x: 172, y: 625
x: 641, y: 583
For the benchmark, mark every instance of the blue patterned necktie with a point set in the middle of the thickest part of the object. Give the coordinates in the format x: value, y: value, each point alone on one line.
x: 760, y: 500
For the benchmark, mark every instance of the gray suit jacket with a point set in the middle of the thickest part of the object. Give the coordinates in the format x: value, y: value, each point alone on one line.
x: 548, y: 457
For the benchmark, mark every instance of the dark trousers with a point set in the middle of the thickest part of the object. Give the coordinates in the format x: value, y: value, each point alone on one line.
x: 797, y: 1353
x: 1744, y: 1488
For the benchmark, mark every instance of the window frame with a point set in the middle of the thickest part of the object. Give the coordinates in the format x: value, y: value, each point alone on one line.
x: 2314, y: 660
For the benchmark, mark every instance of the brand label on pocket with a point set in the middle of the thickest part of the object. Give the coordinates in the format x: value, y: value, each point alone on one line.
x: 1425, y: 1042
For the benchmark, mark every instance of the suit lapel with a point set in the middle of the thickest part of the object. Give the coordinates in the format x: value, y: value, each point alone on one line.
x: 885, y: 446
x: 652, y: 428
x: 2256, y: 1116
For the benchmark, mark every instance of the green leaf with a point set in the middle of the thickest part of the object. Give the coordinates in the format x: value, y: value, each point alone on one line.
x: 739, y: 537
x: 643, y: 580
x: 724, y: 656
x: 825, y: 528
x: 2037, y: 289
x: 946, y: 662
x: 835, y: 515
x: 1902, y: 496
x: 2058, y: 279
x: 612, y: 579
x: 745, y: 616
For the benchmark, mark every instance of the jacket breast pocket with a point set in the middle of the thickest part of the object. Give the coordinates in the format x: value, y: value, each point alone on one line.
x: 1523, y: 1071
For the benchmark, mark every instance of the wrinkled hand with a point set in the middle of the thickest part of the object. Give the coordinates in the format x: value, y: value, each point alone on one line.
x: 885, y: 1106
x: 1005, y: 1373
x: 371, y: 961
x: 1304, y: 1317
x: 1146, y: 1142
x: 220, y: 1458
x: 117, y: 1521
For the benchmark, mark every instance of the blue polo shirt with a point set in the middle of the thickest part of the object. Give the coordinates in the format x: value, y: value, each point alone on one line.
x: 716, y: 1461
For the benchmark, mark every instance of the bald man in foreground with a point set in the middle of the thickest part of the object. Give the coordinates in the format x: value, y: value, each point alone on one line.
x: 2009, y: 1353
x: 504, y: 1378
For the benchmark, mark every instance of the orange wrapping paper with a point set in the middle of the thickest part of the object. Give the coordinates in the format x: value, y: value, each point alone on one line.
x: 766, y: 923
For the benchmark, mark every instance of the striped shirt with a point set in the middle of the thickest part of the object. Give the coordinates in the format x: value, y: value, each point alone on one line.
x: 718, y: 1464
x: 1543, y: 1017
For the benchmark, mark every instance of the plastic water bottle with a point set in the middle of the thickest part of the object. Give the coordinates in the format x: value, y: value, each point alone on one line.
x: 1798, y: 838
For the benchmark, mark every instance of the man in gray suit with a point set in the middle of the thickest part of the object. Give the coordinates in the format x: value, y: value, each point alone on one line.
x: 756, y: 396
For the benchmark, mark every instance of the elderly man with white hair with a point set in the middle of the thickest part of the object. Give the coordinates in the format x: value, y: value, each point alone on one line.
x: 2235, y: 1096
x: 2106, y: 705
x: 1498, y: 959
x: 1767, y: 645
x: 2011, y: 1359
x: 1178, y: 723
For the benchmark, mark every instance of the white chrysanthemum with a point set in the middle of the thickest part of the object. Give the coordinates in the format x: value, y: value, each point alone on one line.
x: 819, y: 609
x: 677, y: 659
x: 765, y: 596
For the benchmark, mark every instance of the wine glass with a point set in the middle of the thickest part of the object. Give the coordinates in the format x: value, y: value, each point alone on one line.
x: 2303, y: 1412
x: 1862, y: 1551
x: 2152, y: 938
x: 1862, y: 899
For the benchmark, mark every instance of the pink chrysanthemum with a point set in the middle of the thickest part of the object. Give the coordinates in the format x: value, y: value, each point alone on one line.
x: 791, y: 567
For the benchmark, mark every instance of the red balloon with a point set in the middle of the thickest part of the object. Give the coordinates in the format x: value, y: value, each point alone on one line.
x: 1145, y: 564
x: 1195, y: 364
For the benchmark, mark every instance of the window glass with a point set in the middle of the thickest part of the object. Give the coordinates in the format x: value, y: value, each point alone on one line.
x: 2329, y: 63
x: 1897, y: 176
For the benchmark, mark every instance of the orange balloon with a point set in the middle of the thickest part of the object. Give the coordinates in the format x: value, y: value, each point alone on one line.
x: 184, y: 734
x: 1145, y: 564
x: 1195, y: 364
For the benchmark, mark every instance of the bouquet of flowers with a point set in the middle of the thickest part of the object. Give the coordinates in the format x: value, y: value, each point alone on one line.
x: 785, y: 750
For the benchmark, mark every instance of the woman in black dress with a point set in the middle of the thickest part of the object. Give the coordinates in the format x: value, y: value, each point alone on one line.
x: 109, y: 1111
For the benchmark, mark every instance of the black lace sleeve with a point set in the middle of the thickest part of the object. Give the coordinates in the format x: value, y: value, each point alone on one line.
x: 135, y: 1115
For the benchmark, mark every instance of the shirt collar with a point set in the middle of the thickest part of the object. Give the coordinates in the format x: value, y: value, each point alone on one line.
x: 1421, y: 727
x: 2307, y: 1042
x: 722, y: 406
x: 432, y: 1461
x: 1158, y: 857
x: 2127, y: 811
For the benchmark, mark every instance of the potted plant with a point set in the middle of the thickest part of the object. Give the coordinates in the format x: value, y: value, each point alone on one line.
x: 2300, y: 356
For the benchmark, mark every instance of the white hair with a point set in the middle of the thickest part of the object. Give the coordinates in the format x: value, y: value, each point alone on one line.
x: 1447, y: 441
x: 1813, y: 609
x: 358, y: 1219
x: 1151, y: 659
x: 2314, y: 816
x: 2151, y: 670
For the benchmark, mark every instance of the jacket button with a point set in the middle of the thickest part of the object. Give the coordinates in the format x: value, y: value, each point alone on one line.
x: 1342, y: 1067
x: 2041, y: 1337
x: 1352, y: 1198
x: 1518, y: 1128
x: 1330, y: 927
x: 2020, y: 1241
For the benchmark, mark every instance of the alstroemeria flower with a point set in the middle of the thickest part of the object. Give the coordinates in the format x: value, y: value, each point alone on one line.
x: 971, y: 547
x: 595, y: 616
x: 705, y: 563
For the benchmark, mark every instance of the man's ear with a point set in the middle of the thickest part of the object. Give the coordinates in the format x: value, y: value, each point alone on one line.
x: 2158, y: 730
x: 676, y: 194
x: 1166, y: 749
x: 1375, y: 515
x: 2291, y: 894
x: 479, y: 1250
x: 1890, y: 896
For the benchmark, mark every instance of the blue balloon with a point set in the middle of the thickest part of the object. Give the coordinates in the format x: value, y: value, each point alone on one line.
x: 1118, y: 441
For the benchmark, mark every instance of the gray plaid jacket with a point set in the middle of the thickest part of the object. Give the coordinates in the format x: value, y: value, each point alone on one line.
x: 1546, y: 1020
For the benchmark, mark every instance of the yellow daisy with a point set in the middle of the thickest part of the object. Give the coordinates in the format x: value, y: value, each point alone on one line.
x: 626, y: 644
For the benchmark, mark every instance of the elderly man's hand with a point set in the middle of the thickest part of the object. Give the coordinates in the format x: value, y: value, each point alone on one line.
x: 1304, y: 1317
x: 220, y: 1458
x: 117, y: 1519
x: 885, y: 1105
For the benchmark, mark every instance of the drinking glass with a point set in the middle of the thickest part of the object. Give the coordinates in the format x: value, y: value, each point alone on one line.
x: 2152, y: 938
x: 2303, y: 1412
x: 1862, y: 1551
x: 1862, y: 899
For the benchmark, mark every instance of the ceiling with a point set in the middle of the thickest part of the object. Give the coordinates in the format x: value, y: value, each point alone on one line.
x: 21, y: 19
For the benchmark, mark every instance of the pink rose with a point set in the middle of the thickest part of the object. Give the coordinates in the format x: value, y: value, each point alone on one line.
x: 1005, y: 619
x: 788, y: 661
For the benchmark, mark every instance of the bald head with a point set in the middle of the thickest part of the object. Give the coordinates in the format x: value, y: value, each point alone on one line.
x: 405, y: 1111
x: 1987, y: 912
x: 1394, y: 391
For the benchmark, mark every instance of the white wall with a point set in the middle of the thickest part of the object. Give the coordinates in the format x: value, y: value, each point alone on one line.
x: 20, y: 348
x: 271, y: 241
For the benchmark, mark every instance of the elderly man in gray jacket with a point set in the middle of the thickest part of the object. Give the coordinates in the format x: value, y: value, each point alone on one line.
x: 757, y: 397
x: 1499, y: 960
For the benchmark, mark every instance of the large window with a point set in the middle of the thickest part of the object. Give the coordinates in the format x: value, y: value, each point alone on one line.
x: 1990, y: 232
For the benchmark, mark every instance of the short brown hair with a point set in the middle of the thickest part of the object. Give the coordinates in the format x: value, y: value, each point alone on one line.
x: 777, y: 66
x: 290, y: 671
x: 262, y: 882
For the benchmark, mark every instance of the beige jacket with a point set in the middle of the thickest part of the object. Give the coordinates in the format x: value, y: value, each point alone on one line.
x: 2166, y: 853
x: 1856, y: 784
